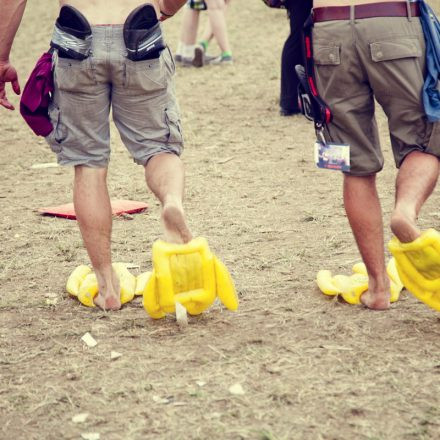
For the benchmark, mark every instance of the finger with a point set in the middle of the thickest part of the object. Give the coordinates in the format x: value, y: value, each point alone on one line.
x: 16, y: 86
x: 6, y: 104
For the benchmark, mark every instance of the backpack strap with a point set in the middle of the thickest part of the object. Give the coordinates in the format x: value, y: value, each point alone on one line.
x: 311, y: 103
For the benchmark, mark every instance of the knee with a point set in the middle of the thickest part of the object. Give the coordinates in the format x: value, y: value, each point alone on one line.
x: 83, y: 172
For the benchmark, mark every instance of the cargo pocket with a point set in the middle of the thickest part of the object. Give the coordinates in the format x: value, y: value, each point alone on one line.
x: 59, y: 132
x: 174, y: 127
x: 395, y: 49
x: 327, y: 54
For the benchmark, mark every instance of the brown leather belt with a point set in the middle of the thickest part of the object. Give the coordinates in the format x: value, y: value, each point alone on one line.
x: 370, y: 10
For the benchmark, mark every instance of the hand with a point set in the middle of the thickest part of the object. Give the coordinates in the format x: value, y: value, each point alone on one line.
x: 8, y: 74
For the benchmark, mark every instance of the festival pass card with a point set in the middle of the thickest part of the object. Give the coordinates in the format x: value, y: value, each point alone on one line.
x: 332, y: 156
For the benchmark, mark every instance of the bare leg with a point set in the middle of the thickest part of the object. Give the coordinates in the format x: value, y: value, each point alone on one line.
x: 415, y: 182
x: 94, y: 215
x: 190, y: 24
x: 207, y: 33
x: 165, y: 176
x: 365, y: 216
x: 216, y: 12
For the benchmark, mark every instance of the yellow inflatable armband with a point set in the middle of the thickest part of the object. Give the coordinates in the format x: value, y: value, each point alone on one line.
x: 189, y: 274
x: 82, y: 283
x: 418, y: 265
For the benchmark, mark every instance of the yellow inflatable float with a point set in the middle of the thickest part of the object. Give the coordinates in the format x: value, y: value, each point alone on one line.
x: 189, y: 274
x: 82, y: 284
x: 352, y: 287
x: 418, y: 265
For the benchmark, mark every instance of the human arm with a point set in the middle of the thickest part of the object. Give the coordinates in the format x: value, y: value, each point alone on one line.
x: 12, y: 13
x: 169, y: 7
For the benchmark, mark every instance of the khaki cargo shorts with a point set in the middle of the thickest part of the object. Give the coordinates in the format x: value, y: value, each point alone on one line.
x: 382, y: 59
x: 139, y: 93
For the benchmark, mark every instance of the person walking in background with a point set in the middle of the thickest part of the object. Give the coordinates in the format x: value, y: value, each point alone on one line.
x: 298, y: 11
x: 191, y: 53
x: 223, y: 41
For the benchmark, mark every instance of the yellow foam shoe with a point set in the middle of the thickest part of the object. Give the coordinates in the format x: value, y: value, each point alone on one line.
x: 127, y: 282
x: 76, y: 278
x: 141, y: 282
x: 396, y: 284
x: 82, y: 283
x: 352, y: 287
x: 418, y: 265
x: 324, y: 279
x: 189, y: 274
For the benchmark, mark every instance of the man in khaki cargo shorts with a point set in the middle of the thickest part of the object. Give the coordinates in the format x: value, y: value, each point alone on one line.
x: 364, y: 51
x: 144, y: 107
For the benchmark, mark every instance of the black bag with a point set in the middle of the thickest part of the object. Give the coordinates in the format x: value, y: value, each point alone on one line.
x: 143, y: 34
x: 72, y: 36
x: 278, y: 4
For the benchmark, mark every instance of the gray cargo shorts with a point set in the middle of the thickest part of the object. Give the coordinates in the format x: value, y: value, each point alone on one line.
x: 383, y: 59
x: 140, y: 94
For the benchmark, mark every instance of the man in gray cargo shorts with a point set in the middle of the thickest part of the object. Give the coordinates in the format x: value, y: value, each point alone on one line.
x: 137, y: 84
x: 366, y: 52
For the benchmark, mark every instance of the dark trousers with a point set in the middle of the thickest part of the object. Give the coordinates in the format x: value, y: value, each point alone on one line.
x: 298, y: 11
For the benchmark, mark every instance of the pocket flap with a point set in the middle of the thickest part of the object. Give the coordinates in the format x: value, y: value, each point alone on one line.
x: 395, y: 49
x: 172, y: 116
x: 327, y: 55
x: 173, y: 122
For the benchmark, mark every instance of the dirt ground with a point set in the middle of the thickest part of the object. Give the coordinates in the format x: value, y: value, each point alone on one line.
x: 310, y: 367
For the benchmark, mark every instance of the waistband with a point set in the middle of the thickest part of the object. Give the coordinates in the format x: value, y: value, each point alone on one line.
x: 370, y: 10
x: 106, y: 30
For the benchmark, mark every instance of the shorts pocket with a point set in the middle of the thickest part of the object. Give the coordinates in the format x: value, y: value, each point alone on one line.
x: 327, y: 54
x: 145, y: 76
x: 74, y: 75
x: 396, y: 49
x: 59, y: 132
x: 174, y: 127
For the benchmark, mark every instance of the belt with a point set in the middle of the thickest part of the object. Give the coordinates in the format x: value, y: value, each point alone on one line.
x: 369, y: 10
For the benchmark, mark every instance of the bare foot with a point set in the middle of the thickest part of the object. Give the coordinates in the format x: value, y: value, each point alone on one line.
x: 404, y: 227
x: 176, y: 229
x: 108, y: 297
x: 376, y: 301
x: 109, y: 302
x: 377, y: 297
